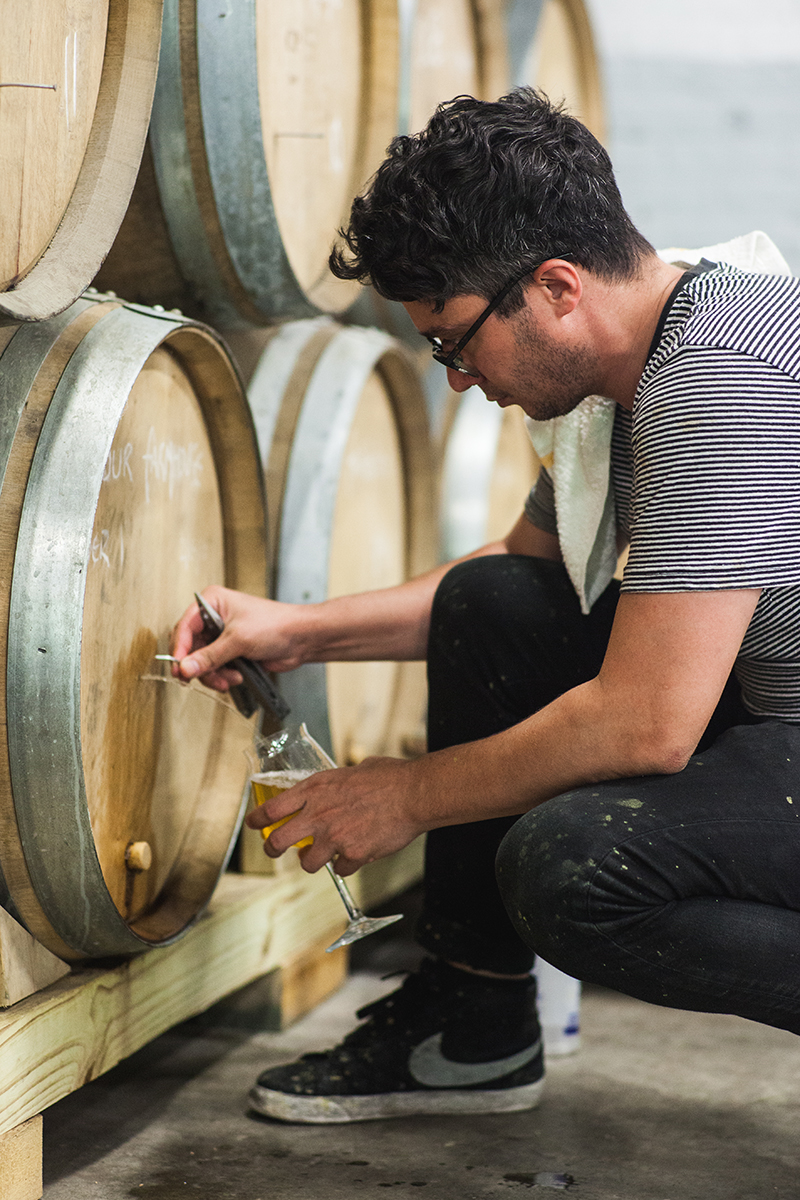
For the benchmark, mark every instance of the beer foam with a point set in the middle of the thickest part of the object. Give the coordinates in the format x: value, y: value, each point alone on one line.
x: 283, y: 779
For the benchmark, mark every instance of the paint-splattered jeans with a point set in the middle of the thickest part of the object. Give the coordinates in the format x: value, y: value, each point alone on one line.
x: 507, y: 637
x: 683, y: 890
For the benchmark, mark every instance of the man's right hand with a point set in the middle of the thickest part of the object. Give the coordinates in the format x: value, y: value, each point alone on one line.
x: 264, y: 630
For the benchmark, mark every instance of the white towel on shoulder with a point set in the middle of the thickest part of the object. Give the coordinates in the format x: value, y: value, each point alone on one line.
x: 576, y: 449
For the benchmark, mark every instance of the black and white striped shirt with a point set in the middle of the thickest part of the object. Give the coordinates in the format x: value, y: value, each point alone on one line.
x: 706, y: 470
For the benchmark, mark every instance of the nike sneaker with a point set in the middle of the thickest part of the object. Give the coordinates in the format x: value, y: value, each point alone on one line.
x: 446, y: 1041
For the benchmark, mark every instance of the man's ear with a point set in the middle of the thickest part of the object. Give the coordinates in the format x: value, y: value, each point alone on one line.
x: 561, y: 284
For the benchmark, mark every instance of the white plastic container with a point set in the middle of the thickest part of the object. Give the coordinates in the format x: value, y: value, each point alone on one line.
x: 559, y: 1002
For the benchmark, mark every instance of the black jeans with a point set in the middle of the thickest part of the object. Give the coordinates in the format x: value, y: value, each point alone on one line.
x: 683, y: 890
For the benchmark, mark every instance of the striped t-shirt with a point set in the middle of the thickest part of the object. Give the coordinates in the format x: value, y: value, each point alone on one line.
x: 706, y: 470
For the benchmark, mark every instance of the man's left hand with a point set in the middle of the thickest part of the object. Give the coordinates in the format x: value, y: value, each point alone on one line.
x: 354, y: 814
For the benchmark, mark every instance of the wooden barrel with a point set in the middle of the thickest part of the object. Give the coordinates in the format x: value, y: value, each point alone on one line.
x: 130, y: 477
x: 449, y: 48
x: 342, y: 428
x: 488, y: 469
x: 551, y: 47
x: 268, y: 118
x: 76, y: 89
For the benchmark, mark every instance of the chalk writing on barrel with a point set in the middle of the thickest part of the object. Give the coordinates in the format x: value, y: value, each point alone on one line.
x: 118, y: 464
x: 100, y: 547
x: 165, y: 462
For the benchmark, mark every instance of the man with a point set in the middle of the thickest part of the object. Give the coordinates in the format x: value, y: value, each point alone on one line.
x: 634, y: 770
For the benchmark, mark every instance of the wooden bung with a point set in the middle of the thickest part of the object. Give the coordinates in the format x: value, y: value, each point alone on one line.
x: 138, y: 856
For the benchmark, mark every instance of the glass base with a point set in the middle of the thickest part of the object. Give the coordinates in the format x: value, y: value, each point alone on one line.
x: 362, y: 927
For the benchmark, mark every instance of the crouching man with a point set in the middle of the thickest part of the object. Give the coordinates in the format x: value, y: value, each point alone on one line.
x: 613, y: 780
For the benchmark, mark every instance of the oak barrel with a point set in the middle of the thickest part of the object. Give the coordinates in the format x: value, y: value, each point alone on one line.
x: 268, y: 118
x: 129, y: 478
x: 449, y: 48
x: 76, y: 89
x: 489, y: 466
x: 343, y: 432
x: 551, y: 47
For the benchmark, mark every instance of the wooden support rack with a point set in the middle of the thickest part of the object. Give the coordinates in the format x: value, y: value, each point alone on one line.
x: 82, y: 1025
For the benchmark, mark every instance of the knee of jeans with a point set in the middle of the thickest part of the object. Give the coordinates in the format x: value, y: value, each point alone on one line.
x: 462, y: 590
x: 498, y: 588
x: 545, y: 868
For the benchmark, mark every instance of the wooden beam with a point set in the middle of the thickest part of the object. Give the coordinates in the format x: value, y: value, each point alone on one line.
x: 81, y: 1026
x: 25, y: 965
x: 276, y: 1000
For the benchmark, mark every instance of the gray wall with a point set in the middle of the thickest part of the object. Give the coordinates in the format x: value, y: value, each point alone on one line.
x: 703, y: 100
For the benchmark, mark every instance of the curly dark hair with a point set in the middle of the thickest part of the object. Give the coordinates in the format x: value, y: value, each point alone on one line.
x: 485, y: 190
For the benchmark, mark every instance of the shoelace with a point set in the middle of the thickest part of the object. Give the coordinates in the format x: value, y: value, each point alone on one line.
x: 375, y: 1016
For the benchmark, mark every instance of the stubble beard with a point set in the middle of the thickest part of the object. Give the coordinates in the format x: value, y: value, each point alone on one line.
x: 548, y: 379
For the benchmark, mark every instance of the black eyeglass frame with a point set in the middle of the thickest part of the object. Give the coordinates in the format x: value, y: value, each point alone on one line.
x: 452, y: 360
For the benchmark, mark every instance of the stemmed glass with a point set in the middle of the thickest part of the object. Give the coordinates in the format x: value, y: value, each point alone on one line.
x: 284, y: 760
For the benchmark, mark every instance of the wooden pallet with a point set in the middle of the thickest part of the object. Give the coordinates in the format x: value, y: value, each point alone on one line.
x: 83, y: 1024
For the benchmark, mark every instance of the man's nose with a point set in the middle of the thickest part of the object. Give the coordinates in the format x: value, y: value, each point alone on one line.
x: 459, y: 382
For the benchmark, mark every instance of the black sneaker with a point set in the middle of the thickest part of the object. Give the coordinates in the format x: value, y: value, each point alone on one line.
x: 446, y: 1041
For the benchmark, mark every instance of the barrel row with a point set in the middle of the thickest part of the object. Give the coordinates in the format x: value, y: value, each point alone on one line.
x: 129, y: 477
x: 133, y: 465
x: 264, y: 120
x: 131, y: 470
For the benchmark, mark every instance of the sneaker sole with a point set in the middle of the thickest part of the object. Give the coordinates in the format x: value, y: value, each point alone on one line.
x: 339, y: 1110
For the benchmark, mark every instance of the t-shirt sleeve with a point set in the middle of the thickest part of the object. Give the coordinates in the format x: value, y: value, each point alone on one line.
x: 716, y: 463
x: 540, y: 506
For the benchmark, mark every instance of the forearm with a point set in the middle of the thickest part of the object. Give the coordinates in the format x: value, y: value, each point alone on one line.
x: 665, y: 668
x: 668, y: 661
x: 581, y: 738
x: 393, y: 623
x: 365, y: 812
x: 388, y: 624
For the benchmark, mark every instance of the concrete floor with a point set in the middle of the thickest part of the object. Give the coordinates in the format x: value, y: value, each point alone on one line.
x: 657, y: 1105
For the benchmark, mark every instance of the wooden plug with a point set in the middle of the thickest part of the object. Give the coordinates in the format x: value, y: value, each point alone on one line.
x: 138, y: 857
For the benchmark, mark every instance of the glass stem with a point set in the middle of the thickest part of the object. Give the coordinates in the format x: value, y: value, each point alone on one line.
x: 354, y: 913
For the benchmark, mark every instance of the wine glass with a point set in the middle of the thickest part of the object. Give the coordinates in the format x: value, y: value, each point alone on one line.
x: 284, y: 760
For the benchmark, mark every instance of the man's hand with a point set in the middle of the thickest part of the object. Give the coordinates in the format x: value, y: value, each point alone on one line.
x: 354, y: 814
x: 263, y: 630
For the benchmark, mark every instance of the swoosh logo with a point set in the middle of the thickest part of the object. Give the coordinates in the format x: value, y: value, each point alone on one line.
x: 429, y: 1066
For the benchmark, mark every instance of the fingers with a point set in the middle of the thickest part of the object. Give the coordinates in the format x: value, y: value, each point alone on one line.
x: 221, y: 681
x: 188, y: 629
x: 292, y: 830
x: 210, y: 659
x: 353, y: 814
x: 285, y: 804
x: 347, y: 866
x: 199, y: 656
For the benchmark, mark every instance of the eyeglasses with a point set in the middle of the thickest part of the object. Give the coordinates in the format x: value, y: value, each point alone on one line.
x: 452, y: 358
